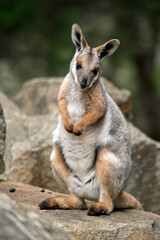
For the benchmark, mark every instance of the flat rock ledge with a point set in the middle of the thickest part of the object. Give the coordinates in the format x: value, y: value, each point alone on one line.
x: 32, y: 223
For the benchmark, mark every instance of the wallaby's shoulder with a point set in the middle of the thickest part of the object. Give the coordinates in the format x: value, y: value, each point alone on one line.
x: 64, y: 88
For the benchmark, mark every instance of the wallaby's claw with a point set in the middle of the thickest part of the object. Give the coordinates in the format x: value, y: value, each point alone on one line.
x: 69, y: 126
x: 77, y: 130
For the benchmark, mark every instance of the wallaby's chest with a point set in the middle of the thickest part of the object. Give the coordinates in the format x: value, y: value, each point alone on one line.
x: 76, y: 106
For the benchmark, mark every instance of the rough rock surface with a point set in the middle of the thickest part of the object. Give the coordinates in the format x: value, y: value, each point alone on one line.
x: 2, y: 139
x: 39, y: 96
x: 20, y: 223
x: 28, y: 146
x: 15, y: 131
x: 145, y: 178
x: 126, y: 224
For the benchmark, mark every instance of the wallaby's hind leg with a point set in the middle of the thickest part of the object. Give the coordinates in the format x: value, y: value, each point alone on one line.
x: 69, y: 202
x: 126, y: 200
x: 105, y: 204
x: 61, y: 173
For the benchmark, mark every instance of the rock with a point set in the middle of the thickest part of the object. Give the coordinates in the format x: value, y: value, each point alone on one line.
x: 15, y: 127
x: 30, y: 158
x: 28, y: 146
x: 2, y: 139
x: 145, y: 179
x: 39, y: 96
x: 24, y: 217
x: 20, y: 223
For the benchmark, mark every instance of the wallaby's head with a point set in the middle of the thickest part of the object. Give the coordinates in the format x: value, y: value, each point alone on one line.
x: 86, y: 64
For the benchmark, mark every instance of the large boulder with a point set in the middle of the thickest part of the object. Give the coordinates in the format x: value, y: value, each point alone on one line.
x: 28, y: 146
x: 39, y: 96
x: 15, y: 127
x: 22, y: 219
x: 145, y: 178
x: 2, y: 139
x: 18, y: 222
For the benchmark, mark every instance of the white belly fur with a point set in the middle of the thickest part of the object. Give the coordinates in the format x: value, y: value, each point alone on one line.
x: 79, y: 152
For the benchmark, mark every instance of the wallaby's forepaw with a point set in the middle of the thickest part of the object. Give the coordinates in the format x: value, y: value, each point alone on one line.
x: 77, y: 129
x: 49, y: 203
x: 97, y: 209
x: 68, y: 126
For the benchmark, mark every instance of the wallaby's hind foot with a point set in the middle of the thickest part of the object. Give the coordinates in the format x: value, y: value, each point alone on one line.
x: 98, y: 208
x: 103, y: 207
x: 49, y: 203
x: 70, y: 202
x: 126, y: 200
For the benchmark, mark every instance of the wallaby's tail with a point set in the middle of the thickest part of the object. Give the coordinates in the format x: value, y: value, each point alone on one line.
x: 126, y: 200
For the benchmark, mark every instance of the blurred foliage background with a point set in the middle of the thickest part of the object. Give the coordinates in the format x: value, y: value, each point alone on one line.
x: 35, y: 42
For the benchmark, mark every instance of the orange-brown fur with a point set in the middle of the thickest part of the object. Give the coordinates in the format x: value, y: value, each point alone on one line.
x: 105, y: 204
x: 103, y: 169
x: 69, y: 202
x: 96, y: 109
x: 126, y: 200
x: 60, y: 167
x: 80, y: 61
x: 62, y: 104
x: 101, y: 46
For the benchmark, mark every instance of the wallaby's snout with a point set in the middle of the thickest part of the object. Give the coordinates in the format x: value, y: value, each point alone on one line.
x: 86, y: 64
x: 83, y: 83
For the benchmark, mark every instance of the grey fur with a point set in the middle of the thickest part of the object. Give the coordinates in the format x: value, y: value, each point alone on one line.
x: 110, y: 131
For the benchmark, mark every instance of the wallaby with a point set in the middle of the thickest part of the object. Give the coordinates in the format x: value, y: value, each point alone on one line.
x: 91, y: 156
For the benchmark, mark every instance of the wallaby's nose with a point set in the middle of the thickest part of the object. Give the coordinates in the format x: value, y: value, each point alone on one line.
x: 84, y: 83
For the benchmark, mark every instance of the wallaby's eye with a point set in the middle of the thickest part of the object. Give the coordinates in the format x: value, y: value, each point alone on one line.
x: 78, y: 66
x: 95, y: 71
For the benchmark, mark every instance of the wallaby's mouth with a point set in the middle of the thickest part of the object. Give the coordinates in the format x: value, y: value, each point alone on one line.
x: 84, y: 84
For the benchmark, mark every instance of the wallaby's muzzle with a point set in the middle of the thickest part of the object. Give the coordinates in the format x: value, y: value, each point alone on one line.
x: 83, y: 83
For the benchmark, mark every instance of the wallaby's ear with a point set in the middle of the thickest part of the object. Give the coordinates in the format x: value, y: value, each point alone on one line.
x: 108, y: 48
x: 78, y: 38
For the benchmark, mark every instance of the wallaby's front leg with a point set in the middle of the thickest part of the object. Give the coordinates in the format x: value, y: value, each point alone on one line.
x: 96, y: 110
x: 92, y: 117
x: 62, y: 104
x: 66, y: 120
